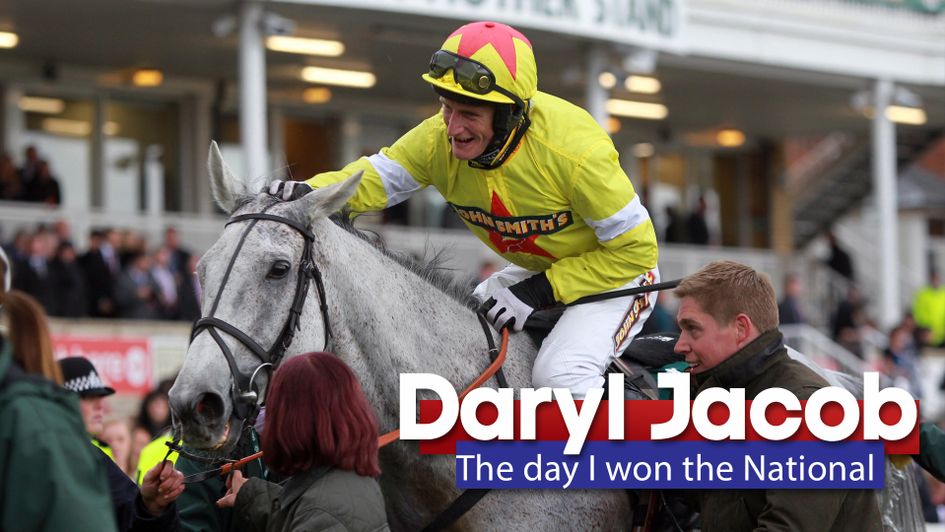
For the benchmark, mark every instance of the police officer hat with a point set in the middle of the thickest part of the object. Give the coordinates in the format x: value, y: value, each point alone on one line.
x: 79, y: 375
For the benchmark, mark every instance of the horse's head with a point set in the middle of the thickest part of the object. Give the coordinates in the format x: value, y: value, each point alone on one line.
x: 261, y: 289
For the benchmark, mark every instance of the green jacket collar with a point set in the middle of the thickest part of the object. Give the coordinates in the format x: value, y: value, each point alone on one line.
x: 299, y: 483
x: 745, y: 365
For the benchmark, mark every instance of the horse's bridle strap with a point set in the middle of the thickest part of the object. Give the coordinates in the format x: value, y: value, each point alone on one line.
x: 497, y: 361
x: 275, y: 218
x: 307, y: 270
x: 210, y: 322
x: 493, y: 350
x: 243, y: 392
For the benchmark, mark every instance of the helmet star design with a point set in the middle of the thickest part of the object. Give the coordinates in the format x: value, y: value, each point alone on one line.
x: 501, y: 49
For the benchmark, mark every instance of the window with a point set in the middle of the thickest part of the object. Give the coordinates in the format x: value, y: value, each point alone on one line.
x: 141, y: 167
x: 60, y: 131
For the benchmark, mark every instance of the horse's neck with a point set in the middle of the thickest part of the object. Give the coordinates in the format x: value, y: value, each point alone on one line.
x: 386, y: 320
x: 390, y: 312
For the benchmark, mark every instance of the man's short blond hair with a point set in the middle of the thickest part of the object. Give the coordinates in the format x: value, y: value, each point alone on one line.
x: 725, y: 289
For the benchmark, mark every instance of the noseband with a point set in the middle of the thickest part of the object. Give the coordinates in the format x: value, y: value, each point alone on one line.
x: 244, y: 395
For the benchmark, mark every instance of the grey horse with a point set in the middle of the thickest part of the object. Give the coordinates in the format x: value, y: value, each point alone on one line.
x: 374, y: 308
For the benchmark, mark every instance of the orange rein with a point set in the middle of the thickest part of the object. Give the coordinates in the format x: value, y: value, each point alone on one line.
x: 394, y: 435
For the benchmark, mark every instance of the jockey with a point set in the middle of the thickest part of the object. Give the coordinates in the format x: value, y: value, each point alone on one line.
x: 539, y: 182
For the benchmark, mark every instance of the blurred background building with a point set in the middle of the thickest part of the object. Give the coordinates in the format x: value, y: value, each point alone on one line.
x: 750, y: 127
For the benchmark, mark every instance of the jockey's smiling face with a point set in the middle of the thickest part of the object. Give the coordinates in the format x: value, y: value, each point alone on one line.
x: 469, y: 128
x: 704, y: 341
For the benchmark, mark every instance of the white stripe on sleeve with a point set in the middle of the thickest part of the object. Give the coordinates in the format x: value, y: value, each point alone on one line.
x: 632, y: 215
x: 398, y: 183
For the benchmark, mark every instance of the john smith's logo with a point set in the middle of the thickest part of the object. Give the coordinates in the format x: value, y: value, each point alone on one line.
x: 514, y: 234
x: 515, y: 226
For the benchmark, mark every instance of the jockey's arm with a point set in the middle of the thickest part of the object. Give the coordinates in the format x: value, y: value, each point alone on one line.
x: 603, y: 196
x: 391, y: 175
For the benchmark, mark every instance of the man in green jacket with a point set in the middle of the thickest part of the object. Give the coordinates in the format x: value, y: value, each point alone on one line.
x: 197, y: 505
x: 932, y: 450
x: 51, y: 478
x: 728, y: 317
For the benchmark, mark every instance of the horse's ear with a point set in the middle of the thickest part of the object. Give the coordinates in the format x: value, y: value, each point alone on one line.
x: 328, y: 200
x: 226, y: 187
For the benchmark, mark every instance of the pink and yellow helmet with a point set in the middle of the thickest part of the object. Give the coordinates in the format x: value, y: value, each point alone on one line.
x: 501, y: 49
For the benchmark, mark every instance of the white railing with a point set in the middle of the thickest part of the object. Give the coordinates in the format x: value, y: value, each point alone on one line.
x: 197, y: 232
x: 458, y: 250
x: 822, y: 350
x: 461, y: 250
x: 815, y: 162
x: 828, y: 288
x: 857, y: 233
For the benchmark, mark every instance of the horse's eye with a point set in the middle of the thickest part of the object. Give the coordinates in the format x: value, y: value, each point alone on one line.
x: 279, y: 269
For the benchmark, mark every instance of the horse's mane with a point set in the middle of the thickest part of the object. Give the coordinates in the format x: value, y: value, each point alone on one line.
x: 432, y: 271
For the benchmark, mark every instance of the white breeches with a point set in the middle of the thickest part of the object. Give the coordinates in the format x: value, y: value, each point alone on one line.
x: 587, y: 337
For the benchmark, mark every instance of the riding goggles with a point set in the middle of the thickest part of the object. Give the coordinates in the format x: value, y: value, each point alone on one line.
x: 471, y: 75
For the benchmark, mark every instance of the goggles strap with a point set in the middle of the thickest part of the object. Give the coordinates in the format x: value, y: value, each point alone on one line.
x: 503, y: 148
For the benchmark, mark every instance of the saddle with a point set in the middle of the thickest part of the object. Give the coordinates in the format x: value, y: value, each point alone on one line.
x: 645, y: 357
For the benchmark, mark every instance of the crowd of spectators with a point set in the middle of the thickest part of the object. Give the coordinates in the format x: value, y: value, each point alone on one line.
x: 118, y: 276
x: 32, y: 181
x: 922, y: 326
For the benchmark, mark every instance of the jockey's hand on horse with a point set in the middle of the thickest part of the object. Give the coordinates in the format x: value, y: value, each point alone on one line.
x: 511, y: 306
x: 289, y: 190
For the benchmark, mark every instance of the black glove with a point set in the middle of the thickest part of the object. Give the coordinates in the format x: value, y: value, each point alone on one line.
x: 511, y: 306
x: 289, y: 190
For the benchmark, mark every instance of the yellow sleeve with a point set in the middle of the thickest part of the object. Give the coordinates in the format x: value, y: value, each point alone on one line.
x: 603, y: 196
x: 393, y: 174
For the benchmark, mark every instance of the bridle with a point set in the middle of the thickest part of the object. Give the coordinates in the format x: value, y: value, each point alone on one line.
x: 244, y: 397
x: 243, y: 393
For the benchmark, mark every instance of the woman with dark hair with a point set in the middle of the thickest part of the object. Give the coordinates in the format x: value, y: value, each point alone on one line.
x: 321, y: 432
x: 155, y: 414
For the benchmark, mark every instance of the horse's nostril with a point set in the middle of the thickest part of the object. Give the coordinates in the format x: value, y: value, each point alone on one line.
x: 209, y: 406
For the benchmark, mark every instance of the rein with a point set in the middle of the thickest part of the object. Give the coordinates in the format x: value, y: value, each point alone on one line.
x: 498, y: 358
x: 496, y: 366
x: 497, y: 355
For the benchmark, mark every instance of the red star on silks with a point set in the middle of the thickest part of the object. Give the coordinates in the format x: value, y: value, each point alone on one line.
x: 473, y: 39
x: 514, y: 245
